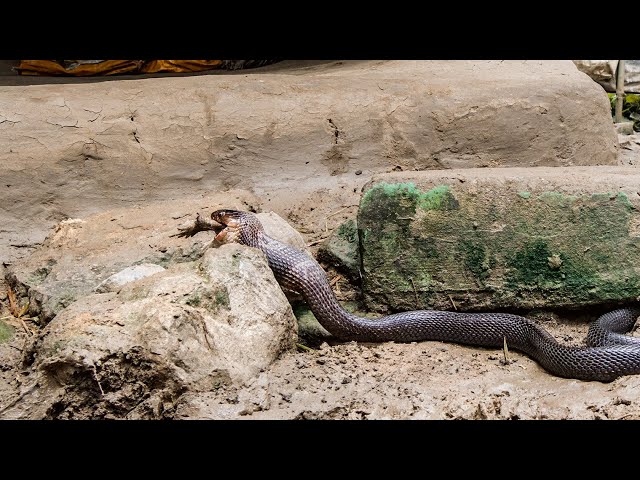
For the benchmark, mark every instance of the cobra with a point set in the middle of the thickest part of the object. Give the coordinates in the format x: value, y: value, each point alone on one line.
x: 608, y: 355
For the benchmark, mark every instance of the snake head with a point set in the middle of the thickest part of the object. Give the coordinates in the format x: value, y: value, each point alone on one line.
x: 227, y: 217
x: 239, y: 226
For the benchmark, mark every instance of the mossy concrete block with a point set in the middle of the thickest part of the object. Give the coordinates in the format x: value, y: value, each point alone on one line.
x: 479, y: 239
x: 341, y: 250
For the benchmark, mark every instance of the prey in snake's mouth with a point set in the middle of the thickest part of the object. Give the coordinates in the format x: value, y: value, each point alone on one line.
x: 230, y: 223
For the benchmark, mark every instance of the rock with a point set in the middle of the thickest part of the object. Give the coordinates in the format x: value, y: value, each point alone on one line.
x: 310, y: 332
x: 341, y: 250
x: 501, y: 238
x: 624, y: 128
x: 68, y: 144
x: 629, y: 153
x: 129, y: 274
x: 193, y: 327
x: 277, y: 227
x: 60, y: 271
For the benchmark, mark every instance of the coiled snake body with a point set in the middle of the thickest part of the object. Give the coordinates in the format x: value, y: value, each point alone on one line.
x: 609, y: 354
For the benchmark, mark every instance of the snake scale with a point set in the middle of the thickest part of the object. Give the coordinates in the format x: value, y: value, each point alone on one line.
x: 608, y: 354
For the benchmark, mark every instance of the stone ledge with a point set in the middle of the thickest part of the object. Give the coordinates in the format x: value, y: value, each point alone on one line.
x: 77, y: 148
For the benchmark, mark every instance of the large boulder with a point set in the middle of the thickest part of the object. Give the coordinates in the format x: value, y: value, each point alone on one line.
x: 193, y: 327
x: 501, y: 238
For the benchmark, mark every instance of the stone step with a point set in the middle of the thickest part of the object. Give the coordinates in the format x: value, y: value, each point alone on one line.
x: 478, y: 239
x: 77, y: 146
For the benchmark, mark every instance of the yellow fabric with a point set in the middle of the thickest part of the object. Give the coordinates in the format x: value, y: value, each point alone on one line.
x: 153, y: 66
x: 114, y: 67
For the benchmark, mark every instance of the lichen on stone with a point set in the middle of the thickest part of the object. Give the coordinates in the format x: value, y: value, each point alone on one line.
x: 6, y: 332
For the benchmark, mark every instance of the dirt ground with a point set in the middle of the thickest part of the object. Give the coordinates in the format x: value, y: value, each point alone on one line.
x: 425, y: 380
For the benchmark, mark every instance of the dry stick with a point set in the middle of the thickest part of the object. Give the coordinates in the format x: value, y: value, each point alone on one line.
x: 205, y: 333
x: 13, y: 309
x: 624, y: 416
x: 341, y: 210
x: 11, y: 317
x: 326, y: 228
x: 95, y: 375
x: 619, y: 90
x: 24, y: 325
x: 505, y: 351
x: 315, y: 242
x: 452, y: 302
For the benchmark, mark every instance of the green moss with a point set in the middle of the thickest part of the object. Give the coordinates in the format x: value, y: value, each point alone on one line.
x: 38, y: 276
x: 530, y: 266
x: 402, y: 199
x: 6, y: 332
x: 525, y: 195
x: 391, y: 202
x: 193, y: 300
x: 348, y: 231
x: 438, y: 198
x: 221, y: 298
x: 475, y: 258
x: 557, y: 199
x: 208, y: 299
x: 624, y: 200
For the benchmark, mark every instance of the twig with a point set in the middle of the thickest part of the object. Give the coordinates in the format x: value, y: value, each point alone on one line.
x: 315, y: 242
x: 505, y: 351
x: 206, y: 334
x: 24, y: 325
x: 95, y: 375
x: 304, y: 347
x: 619, y: 91
x: 335, y: 280
x: 326, y: 227
x: 341, y: 210
x: 452, y: 302
x: 13, y: 309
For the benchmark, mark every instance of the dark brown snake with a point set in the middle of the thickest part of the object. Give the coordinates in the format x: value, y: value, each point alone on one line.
x: 609, y: 353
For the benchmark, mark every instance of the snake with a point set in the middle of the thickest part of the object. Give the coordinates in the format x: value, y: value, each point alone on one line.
x: 607, y: 355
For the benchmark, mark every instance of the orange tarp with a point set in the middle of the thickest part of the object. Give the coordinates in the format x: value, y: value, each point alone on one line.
x: 113, y: 67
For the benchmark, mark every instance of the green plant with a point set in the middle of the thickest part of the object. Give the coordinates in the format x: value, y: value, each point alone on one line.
x: 630, y: 108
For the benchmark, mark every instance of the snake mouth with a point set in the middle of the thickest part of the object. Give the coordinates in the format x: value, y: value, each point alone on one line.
x: 227, y: 217
x: 230, y: 232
